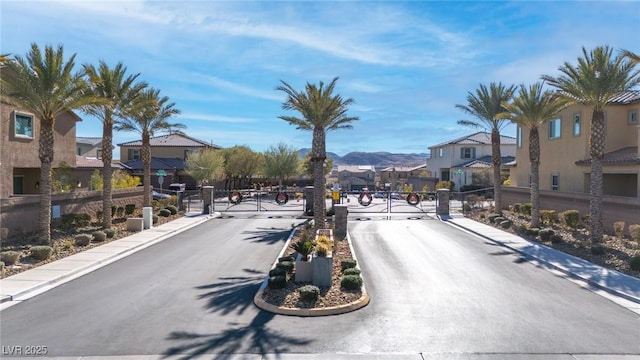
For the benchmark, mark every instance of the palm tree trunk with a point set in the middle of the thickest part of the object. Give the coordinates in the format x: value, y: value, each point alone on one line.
x: 46, y: 158
x: 318, y: 155
x: 497, y: 161
x: 596, y: 150
x: 107, y: 173
x: 145, y: 153
x: 534, y: 158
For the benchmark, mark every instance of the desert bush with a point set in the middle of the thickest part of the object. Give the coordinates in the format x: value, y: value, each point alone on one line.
x: 598, y: 249
x: 516, y: 207
x: 81, y: 220
x: 129, y: 209
x: 347, y: 264
x: 9, y: 257
x: 444, y: 185
x: 120, y: 211
x: 277, y: 282
x: 277, y: 272
x: 99, y: 236
x: 304, y: 248
x: 40, y: 253
x: 618, y: 229
x: 82, y: 240
x: 173, y: 209
x: 164, y: 212
x: 549, y: 216
x: 466, y: 207
x: 483, y: 216
x: 519, y: 228
x: 324, y: 239
x: 634, y: 231
x: 351, y: 271
x: 67, y: 244
x: 472, y: 200
x: 286, y: 265
x: 571, y: 218
x: 505, y: 224
x: 525, y: 208
x: 155, y: 218
x: 351, y: 282
x: 309, y: 292
x: 110, y: 233
x: 67, y: 220
x: 322, y: 250
x: 556, y: 239
x: 634, y: 263
x: 545, y: 234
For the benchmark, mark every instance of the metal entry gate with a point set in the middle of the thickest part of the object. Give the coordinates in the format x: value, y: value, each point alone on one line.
x: 387, y: 202
x: 258, y: 200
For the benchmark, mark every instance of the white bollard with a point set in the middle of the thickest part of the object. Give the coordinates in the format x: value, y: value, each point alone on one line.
x: 147, y: 217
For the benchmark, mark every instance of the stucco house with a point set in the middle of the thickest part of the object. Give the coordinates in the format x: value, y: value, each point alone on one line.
x: 456, y: 160
x: 90, y: 147
x: 565, y: 164
x: 19, y: 141
x: 356, y: 177
x: 396, y: 177
x: 168, y: 154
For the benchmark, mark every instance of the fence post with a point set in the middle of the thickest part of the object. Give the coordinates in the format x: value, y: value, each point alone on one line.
x: 308, y: 194
x: 443, y: 202
x: 341, y: 221
x: 207, y: 200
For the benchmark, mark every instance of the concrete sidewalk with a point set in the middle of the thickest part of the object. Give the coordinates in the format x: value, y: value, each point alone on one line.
x: 42, y: 278
x: 611, y: 281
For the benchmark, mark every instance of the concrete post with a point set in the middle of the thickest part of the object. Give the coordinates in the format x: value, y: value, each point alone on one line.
x: 308, y: 194
x: 207, y: 199
x: 341, y: 221
x: 443, y: 201
x: 147, y: 217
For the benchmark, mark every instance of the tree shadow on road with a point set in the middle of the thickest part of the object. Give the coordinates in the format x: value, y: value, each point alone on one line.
x: 269, y: 236
x: 233, y: 295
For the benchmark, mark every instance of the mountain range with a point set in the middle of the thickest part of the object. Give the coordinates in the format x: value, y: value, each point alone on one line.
x: 377, y: 159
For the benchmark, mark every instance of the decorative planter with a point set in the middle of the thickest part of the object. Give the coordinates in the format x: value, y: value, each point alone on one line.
x: 304, y: 269
x: 322, y: 270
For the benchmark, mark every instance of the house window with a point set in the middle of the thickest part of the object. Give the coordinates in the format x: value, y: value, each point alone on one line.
x: 519, y: 136
x: 554, y: 128
x: 440, y: 152
x: 23, y: 125
x: 468, y: 153
x: 633, y: 117
x: 576, y: 124
x: 555, y: 182
x: 134, y: 154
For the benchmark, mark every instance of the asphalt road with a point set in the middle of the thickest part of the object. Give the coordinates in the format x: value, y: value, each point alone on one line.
x: 434, y: 289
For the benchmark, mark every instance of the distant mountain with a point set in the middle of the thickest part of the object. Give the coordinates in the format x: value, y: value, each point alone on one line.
x: 377, y: 159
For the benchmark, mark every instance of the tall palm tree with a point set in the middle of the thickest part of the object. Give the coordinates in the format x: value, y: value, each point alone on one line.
x: 148, y: 115
x: 598, y: 77
x: 531, y: 109
x: 321, y: 111
x: 635, y: 58
x: 46, y: 85
x: 486, y: 106
x: 118, y: 91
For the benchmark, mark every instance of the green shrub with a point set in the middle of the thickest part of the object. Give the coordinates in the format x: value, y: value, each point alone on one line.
x: 67, y: 220
x: 525, y: 208
x: 520, y: 229
x: 598, y: 249
x: 277, y: 272
x: 286, y: 265
x: 351, y: 271
x: 110, y: 233
x: 173, y: 209
x: 351, y: 282
x: 287, y: 258
x: 277, y: 282
x: 9, y: 257
x: 155, y: 218
x: 348, y: 264
x: 516, y: 207
x: 571, y: 218
x: 129, y: 209
x: 556, y: 239
x: 120, y: 211
x: 634, y: 231
x: 309, y: 292
x: 113, y: 211
x: 83, y: 219
x: 304, y: 248
x: 618, y: 229
x: 549, y: 216
x: 82, y: 239
x: 505, y: 224
x: 67, y: 244
x: 99, y: 236
x: 634, y: 263
x: 164, y: 212
x: 545, y: 234
x: 40, y: 253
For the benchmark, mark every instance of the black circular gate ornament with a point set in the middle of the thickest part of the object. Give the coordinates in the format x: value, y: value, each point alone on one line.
x: 282, y: 198
x: 413, y: 199
x: 235, y: 198
x: 365, y: 199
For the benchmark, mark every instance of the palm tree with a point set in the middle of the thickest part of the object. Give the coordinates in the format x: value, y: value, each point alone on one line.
x: 46, y: 85
x: 531, y: 109
x: 486, y: 105
x: 635, y: 58
x: 118, y: 92
x: 321, y: 112
x: 598, y: 77
x: 148, y: 115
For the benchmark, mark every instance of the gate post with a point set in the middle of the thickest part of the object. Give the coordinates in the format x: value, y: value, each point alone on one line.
x: 443, y: 202
x: 308, y: 194
x: 207, y: 200
x: 341, y: 221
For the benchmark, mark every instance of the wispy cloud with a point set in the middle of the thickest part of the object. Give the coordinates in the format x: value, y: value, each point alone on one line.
x: 215, y: 118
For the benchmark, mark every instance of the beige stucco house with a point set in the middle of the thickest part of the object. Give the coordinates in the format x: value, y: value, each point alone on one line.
x: 356, y: 177
x: 564, y: 150
x: 19, y: 144
x: 90, y: 147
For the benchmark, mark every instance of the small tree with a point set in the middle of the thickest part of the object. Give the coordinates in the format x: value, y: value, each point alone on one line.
x: 205, y: 166
x: 280, y: 162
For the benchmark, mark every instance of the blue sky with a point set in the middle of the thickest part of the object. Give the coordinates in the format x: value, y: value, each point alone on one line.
x: 406, y: 64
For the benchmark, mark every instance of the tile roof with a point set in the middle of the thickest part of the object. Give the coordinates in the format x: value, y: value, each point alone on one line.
x: 88, y: 140
x: 356, y: 168
x: 401, y: 168
x: 484, y: 162
x: 92, y: 162
x: 173, y: 140
x: 624, y: 156
x: 626, y: 97
x: 479, y: 138
x: 157, y: 164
